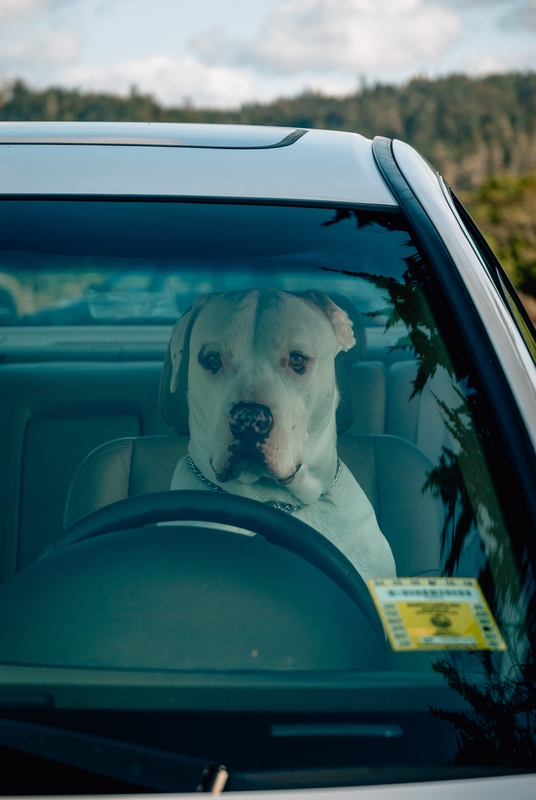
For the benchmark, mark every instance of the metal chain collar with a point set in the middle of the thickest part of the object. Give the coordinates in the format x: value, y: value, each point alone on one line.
x: 288, y: 508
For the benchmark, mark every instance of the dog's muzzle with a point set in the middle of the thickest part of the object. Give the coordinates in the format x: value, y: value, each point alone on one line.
x: 251, y: 421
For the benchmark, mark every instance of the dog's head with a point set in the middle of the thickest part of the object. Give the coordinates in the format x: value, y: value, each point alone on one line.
x: 261, y: 381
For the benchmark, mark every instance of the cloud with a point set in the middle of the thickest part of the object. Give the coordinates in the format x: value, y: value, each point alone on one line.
x: 299, y: 45
x: 527, y: 15
x: 26, y: 38
x: 478, y: 3
x: 340, y: 36
x: 485, y: 64
x: 11, y: 9
x: 521, y: 17
x: 26, y: 10
x: 44, y: 47
x: 170, y: 80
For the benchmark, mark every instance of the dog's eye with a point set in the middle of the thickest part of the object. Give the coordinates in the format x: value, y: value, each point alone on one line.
x: 297, y: 361
x: 211, y: 361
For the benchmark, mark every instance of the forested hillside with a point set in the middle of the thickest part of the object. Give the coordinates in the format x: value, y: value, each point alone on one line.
x: 480, y: 133
x: 468, y: 128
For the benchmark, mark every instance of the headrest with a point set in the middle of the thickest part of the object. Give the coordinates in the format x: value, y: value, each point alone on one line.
x: 174, y: 405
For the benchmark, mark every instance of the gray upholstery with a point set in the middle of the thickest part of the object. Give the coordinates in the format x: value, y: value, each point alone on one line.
x: 392, y: 473
x: 390, y: 470
x: 53, y: 413
x: 123, y: 468
x: 366, y: 387
x: 418, y: 419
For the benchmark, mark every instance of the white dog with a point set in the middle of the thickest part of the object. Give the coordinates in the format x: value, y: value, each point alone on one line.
x: 262, y: 399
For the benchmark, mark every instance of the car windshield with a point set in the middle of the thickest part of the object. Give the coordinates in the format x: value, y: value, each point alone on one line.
x: 346, y: 590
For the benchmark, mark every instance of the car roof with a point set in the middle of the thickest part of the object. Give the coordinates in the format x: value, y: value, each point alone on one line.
x: 223, y: 137
x: 189, y: 160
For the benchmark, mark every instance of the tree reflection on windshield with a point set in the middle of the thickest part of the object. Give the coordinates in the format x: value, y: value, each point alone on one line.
x: 501, y: 687
x: 501, y: 728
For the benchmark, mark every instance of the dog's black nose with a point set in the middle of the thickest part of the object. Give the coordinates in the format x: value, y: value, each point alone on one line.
x: 250, y: 421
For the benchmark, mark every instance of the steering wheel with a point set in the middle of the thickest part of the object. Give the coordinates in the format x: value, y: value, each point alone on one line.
x: 275, y: 526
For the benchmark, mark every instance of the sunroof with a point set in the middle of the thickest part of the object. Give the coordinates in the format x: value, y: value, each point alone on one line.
x: 221, y: 137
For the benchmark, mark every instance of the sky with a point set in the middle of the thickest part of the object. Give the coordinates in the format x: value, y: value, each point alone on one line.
x: 223, y: 53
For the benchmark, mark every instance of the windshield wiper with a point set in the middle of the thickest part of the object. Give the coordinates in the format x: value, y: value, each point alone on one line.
x: 162, y: 771
x: 154, y: 769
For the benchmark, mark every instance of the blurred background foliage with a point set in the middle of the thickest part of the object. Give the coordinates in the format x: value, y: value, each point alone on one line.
x: 504, y: 208
x: 480, y: 133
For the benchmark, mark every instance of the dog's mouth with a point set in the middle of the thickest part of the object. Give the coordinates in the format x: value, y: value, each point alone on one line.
x: 249, y: 458
x: 286, y: 481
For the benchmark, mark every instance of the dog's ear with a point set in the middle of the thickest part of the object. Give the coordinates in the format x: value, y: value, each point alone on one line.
x: 176, y: 347
x: 180, y: 339
x: 341, y: 323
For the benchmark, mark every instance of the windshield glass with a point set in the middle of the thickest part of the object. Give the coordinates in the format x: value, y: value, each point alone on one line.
x: 345, y: 588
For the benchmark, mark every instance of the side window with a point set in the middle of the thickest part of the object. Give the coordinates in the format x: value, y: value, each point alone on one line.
x: 500, y: 278
x: 525, y: 325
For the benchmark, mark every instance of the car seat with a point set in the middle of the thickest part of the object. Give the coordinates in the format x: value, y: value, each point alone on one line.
x: 391, y: 470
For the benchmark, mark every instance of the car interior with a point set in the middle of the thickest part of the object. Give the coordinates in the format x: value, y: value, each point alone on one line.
x: 109, y: 430
x: 194, y: 639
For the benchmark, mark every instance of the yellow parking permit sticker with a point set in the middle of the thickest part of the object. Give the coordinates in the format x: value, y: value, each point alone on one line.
x: 435, y: 614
